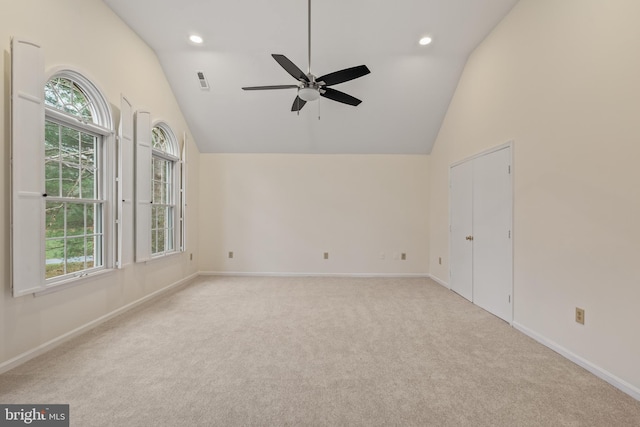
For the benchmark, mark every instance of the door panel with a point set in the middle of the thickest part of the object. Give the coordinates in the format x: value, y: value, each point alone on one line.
x: 492, y: 208
x: 461, y: 227
x: 481, y: 208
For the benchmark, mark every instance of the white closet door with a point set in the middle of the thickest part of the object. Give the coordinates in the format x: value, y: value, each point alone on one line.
x: 461, y: 279
x: 481, y: 208
x: 492, y: 252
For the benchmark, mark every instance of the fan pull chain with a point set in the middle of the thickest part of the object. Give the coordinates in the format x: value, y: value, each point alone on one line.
x: 318, y: 109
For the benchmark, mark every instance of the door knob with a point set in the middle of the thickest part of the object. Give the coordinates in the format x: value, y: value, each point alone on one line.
x: 469, y: 238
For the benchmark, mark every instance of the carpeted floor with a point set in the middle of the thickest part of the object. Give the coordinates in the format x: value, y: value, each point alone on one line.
x: 314, y: 351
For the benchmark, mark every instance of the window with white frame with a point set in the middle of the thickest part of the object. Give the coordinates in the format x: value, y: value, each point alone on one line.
x: 75, y: 175
x: 164, y: 188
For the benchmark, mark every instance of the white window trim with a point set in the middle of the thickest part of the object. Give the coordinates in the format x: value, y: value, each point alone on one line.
x: 27, y: 112
x: 143, y: 159
x: 75, y: 281
x: 88, y: 83
x: 27, y: 167
x: 176, y: 172
x: 104, y: 129
x: 183, y: 194
x: 125, y: 204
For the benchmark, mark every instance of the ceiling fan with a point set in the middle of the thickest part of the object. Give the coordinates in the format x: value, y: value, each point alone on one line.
x: 310, y: 87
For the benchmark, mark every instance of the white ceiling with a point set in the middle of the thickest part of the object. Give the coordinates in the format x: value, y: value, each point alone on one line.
x: 404, y: 98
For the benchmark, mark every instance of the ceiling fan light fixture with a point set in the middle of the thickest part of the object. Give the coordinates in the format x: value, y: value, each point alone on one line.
x: 308, y: 94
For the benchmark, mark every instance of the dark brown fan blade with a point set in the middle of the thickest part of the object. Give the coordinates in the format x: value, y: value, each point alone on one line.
x: 298, y: 103
x: 290, y: 67
x: 270, y: 87
x: 344, y: 75
x: 336, y: 95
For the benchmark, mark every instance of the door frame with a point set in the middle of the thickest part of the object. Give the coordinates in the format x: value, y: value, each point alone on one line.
x: 511, y: 145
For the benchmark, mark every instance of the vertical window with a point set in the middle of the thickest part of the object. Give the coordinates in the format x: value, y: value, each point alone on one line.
x: 74, y: 180
x: 164, y: 190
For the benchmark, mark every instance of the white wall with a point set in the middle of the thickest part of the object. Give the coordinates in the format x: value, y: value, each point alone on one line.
x: 562, y: 79
x: 280, y: 213
x: 558, y: 77
x: 86, y: 35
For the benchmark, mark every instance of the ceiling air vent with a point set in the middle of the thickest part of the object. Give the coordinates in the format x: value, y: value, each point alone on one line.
x: 204, y: 84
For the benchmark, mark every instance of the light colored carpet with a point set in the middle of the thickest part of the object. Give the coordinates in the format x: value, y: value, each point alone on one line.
x: 314, y: 351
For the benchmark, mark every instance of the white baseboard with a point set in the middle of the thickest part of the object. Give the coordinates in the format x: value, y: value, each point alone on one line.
x: 50, y: 345
x: 624, y: 386
x: 439, y: 281
x: 281, y: 274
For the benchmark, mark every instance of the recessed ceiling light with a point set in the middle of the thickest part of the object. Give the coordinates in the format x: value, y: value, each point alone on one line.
x: 196, y: 39
x: 425, y: 41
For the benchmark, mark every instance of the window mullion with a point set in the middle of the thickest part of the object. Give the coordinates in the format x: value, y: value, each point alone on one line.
x: 84, y: 234
x: 76, y: 122
x: 75, y: 200
x: 59, y: 160
x: 64, y: 238
x: 164, y: 155
x: 79, y: 162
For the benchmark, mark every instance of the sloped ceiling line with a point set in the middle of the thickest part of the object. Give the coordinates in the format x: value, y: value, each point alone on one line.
x: 404, y: 98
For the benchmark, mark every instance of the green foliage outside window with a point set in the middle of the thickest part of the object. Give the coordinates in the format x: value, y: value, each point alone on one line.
x: 162, y: 212
x: 73, y: 213
x: 65, y: 95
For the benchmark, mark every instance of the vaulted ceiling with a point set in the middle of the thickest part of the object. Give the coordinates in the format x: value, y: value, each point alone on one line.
x: 404, y: 98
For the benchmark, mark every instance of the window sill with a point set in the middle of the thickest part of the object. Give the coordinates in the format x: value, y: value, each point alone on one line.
x: 74, y: 281
x: 164, y: 256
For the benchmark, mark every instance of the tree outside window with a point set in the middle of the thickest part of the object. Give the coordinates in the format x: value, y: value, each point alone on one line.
x: 73, y: 167
x: 163, y: 211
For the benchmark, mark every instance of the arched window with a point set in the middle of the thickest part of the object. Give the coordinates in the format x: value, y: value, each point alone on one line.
x: 165, y: 184
x: 77, y: 120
